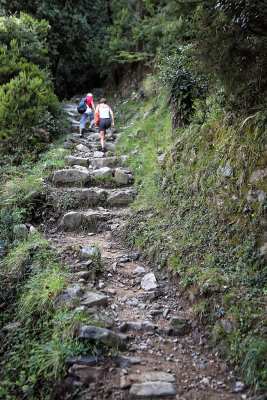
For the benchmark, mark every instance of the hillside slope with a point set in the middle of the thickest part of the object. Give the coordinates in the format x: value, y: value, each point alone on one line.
x: 201, y: 213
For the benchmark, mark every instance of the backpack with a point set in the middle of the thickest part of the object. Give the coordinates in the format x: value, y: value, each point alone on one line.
x: 81, y: 108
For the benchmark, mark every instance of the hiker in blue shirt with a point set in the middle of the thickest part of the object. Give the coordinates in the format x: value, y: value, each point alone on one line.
x: 89, y: 113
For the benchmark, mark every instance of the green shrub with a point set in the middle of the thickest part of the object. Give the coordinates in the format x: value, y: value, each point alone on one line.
x: 28, y: 105
x: 23, y: 101
x: 255, y: 365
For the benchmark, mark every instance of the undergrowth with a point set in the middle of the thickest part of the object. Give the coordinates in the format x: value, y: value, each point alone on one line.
x: 201, y: 214
x: 36, y: 336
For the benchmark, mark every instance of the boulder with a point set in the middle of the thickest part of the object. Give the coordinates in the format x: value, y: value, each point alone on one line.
x: 256, y: 195
x: 32, y: 230
x: 12, y: 327
x: 73, y: 121
x: 72, y: 220
x: 69, y: 295
x: 94, y: 137
x: 83, y: 196
x: 69, y: 176
x: 103, y: 335
x: 121, y: 178
x: 20, y: 231
x: 126, y: 361
x: 110, y: 147
x: 86, y: 373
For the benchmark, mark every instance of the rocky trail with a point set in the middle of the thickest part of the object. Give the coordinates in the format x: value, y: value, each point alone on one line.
x: 159, y: 350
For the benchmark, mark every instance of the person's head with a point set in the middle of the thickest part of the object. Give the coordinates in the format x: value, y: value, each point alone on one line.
x: 89, y: 95
x: 103, y: 101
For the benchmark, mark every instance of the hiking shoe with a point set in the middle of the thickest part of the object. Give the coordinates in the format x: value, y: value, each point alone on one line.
x: 90, y: 129
x: 81, y: 135
x: 103, y: 149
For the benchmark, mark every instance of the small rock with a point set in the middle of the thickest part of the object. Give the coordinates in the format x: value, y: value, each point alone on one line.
x: 161, y: 159
x: 149, y: 282
x: 226, y: 170
x: 166, y: 312
x: 11, y: 327
x: 227, y: 325
x: 258, y: 175
x: 82, y: 148
x: 179, y: 326
x: 148, y: 326
x: 32, y: 230
x: 125, y: 382
x: 139, y: 271
x: 98, y: 154
x: 122, y: 361
x: 91, y: 253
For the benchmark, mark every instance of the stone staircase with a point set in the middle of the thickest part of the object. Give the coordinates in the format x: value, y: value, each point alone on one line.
x: 158, y: 346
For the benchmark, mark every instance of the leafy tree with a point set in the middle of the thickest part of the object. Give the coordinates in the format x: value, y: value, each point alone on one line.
x: 26, y: 91
x: 77, y: 33
x: 184, y: 86
x: 229, y: 45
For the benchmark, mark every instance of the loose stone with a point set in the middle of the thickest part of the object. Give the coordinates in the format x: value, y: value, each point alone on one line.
x: 105, y: 336
x: 149, y: 282
x: 151, y: 389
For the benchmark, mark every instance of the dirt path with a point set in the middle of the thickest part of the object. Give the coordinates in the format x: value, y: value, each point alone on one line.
x: 165, y: 353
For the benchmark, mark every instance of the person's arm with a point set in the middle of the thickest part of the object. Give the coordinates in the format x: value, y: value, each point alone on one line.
x: 93, y: 105
x: 112, y: 116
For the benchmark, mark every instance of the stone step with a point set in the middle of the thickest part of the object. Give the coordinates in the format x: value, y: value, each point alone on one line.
x: 104, y: 176
x: 73, y: 121
x: 108, y: 161
x: 147, y: 376
x: 72, y: 160
x: 154, y: 390
x: 97, y: 161
x: 78, y: 295
x: 91, y: 220
x: 71, y: 198
x: 106, y: 336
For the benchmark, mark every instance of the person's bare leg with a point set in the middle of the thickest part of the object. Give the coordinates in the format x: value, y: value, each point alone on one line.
x: 102, y: 138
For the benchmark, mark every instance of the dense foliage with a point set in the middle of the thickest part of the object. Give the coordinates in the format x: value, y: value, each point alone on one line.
x: 27, y: 99
x: 77, y: 33
x: 104, y: 38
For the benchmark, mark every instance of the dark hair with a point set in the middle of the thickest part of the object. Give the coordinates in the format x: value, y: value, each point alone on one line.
x: 103, y: 100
